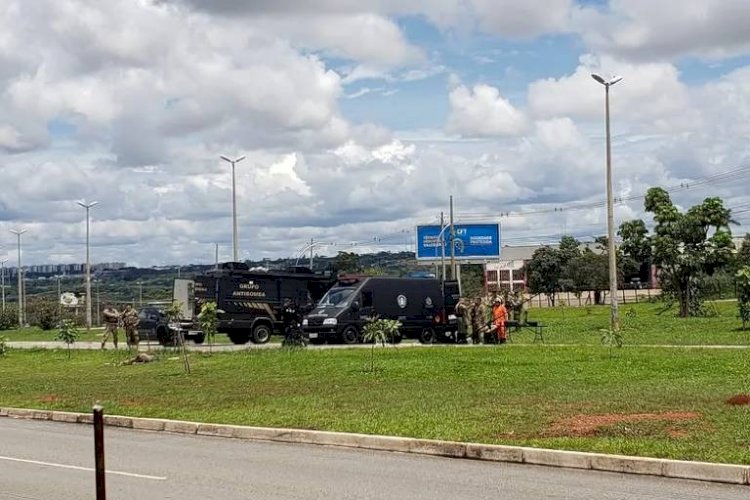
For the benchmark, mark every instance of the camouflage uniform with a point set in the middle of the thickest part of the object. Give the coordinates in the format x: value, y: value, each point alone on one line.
x: 111, y: 318
x: 478, y: 322
x: 130, y: 322
x: 463, y: 312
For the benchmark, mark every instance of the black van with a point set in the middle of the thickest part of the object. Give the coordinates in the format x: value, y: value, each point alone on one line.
x: 421, y: 305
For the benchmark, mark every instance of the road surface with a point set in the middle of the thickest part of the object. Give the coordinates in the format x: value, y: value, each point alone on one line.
x: 50, y: 461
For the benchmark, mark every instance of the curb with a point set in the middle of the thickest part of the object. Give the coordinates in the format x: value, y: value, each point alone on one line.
x: 700, y: 471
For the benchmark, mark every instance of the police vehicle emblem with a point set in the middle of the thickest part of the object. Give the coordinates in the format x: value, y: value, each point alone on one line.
x: 428, y: 302
x: 401, y: 301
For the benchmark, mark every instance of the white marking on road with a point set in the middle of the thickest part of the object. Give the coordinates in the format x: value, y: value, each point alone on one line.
x: 87, y: 469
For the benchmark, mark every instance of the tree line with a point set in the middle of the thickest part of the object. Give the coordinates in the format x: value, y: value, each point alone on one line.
x: 686, y: 248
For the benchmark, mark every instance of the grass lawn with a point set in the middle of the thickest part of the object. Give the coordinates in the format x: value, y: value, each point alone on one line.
x: 37, y: 334
x: 641, y: 324
x: 560, y: 397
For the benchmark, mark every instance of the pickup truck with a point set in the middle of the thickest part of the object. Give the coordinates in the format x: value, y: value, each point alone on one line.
x: 153, y: 325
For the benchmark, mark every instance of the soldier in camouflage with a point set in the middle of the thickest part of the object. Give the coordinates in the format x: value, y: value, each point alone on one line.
x: 111, y: 319
x: 130, y: 322
x: 478, y: 321
x: 463, y: 312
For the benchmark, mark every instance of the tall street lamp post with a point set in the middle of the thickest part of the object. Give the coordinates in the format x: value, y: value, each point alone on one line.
x: 19, y: 272
x: 2, y: 279
x: 88, y: 207
x: 235, y: 243
x: 615, y: 317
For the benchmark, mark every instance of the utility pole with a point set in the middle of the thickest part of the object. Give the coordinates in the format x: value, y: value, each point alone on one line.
x: 235, y: 243
x: 2, y: 279
x: 88, y: 207
x: 312, y: 246
x: 98, y: 306
x: 442, y: 246
x: 615, y: 315
x: 217, y: 256
x: 140, y: 293
x: 19, y: 271
x: 59, y: 298
x: 453, y: 244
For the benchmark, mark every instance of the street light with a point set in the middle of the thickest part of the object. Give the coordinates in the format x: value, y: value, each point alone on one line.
x: 88, y: 207
x: 21, y: 305
x: 2, y: 279
x: 235, y: 247
x: 614, y: 318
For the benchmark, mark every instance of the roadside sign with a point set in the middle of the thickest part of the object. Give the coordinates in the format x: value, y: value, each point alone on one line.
x: 473, y: 242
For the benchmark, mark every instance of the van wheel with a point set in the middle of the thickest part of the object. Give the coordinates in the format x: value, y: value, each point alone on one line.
x: 200, y: 338
x: 427, y: 336
x: 350, y: 335
x: 238, y: 337
x: 396, y: 339
x: 261, y: 333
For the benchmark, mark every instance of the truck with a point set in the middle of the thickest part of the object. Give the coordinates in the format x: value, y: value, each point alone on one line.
x: 422, y: 305
x: 250, y: 301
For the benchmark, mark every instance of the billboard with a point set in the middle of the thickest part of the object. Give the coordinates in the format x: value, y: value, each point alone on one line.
x: 475, y: 242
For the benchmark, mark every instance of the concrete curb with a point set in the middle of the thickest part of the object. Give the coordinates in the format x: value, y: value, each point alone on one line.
x: 700, y: 471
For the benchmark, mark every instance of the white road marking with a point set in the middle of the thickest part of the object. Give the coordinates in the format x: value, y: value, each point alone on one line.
x: 87, y: 469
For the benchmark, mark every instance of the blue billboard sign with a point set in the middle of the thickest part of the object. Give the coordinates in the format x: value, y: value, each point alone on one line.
x: 472, y: 242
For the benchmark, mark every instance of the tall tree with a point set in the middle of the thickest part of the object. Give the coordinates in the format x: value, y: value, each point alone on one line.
x: 743, y: 254
x: 544, y: 271
x: 686, y: 247
x: 347, y: 262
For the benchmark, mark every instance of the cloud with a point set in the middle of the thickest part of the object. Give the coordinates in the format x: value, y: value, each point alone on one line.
x: 482, y: 111
x: 643, y: 30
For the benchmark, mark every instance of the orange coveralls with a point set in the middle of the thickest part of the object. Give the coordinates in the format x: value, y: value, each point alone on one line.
x: 499, y: 317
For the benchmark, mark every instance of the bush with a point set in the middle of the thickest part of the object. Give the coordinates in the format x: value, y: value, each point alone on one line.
x: 43, y: 313
x: 3, y: 346
x: 8, y: 318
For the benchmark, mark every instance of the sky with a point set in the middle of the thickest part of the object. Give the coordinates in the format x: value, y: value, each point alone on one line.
x: 358, y: 120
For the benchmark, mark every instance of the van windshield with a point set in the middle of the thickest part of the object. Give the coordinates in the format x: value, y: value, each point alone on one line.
x: 337, y: 297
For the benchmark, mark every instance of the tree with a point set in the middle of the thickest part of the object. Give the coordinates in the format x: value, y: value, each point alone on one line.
x: 68, y: 333
x: 588, y: 271
x: 544, y: 271
x: 209, y: 322
x: 743, y: 254
x: 379, y: 331
x: 743, y: 295
x: 43, y: 313
x: 686, y: 247
x: 8, y: 318
x: 347, y: 262
x: 635, y: 258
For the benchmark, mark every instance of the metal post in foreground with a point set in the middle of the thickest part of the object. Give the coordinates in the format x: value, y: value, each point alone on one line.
x: 19, y: 272
x: 101, y: 490
x: 2, y: 279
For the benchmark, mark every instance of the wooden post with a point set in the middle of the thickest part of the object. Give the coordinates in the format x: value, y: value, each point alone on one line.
x: 101, y: 492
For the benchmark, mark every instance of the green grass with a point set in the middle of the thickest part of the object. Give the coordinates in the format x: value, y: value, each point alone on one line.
x: 508, y: 394
x: 641, y: 325
x: 37, y: 334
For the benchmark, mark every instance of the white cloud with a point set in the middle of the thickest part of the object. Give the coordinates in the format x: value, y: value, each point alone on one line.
x: 482, y: 111
x: 648, y: 30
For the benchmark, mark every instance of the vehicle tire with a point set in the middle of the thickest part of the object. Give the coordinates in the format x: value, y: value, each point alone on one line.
x: 165, y: 336
x: 261, y: 333
x: 350, y: 335
x: 427, y: 336
x: 238, y: 337
x: 199, y: 339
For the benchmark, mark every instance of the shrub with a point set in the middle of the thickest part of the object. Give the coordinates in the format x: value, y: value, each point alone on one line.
x: 8, y: 318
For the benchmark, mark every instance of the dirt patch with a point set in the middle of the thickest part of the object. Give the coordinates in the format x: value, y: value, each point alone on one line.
x: 591, y: 425
x: 50, y: 398
x: 739, y: 399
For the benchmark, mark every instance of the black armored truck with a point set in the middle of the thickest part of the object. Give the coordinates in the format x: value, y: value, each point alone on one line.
x: 250, y: 302
x: 422, y: 305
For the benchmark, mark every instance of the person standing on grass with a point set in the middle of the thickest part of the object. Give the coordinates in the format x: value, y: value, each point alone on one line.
x: 499, y: 317
x: 130, y: 322
x: 111, y: 319
x: 463, y: 312
x: 478, y: 321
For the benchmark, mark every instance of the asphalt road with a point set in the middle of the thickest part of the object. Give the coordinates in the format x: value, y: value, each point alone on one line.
x: 49, y: 460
